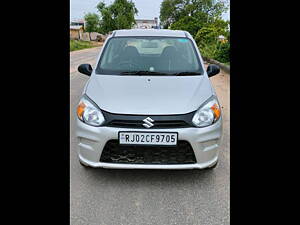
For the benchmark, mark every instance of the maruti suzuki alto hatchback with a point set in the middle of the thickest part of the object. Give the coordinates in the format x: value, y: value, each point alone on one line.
x: 149, y: 104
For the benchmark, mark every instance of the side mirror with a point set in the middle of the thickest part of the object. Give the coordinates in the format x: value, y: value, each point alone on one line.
x: 85, y: 69
x: 212, y: 70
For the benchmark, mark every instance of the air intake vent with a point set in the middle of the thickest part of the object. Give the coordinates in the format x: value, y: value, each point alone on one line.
x: 180, y: 154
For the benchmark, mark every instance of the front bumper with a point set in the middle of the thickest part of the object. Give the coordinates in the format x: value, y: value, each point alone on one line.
x: 204, y: 141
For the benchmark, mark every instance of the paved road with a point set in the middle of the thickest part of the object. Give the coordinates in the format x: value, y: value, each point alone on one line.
x: 83, y: 56
x: 138, y: 197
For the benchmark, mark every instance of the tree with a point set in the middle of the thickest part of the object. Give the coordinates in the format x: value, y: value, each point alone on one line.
x: 207, y: 40
x: 187, y: 23
x: 171, y: 11
x: 92, y: 23
x: 223, y: 53
x: 119, y: 15
x: 205, y: 11
x: 209, y: 34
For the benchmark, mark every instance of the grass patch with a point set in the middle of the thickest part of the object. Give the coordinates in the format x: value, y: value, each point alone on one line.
x: 77, y: 45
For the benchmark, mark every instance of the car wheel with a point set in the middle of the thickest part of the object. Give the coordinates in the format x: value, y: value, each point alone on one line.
x: 214, y: 165
x: 85, y: 166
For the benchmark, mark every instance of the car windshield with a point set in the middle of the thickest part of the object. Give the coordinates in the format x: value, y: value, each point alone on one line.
x: 149, y: 56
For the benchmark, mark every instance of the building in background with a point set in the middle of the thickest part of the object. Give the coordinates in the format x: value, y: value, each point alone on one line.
x: 76, y: 32
x: 80, y: 22
x: 77, y: 26
x: 146, y: 24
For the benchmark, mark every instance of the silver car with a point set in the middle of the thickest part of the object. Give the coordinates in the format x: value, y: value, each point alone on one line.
x: 149, y: 104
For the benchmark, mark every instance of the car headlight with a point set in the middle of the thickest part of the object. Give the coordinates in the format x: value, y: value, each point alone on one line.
x: 208, y: 113
x: 89, y: 113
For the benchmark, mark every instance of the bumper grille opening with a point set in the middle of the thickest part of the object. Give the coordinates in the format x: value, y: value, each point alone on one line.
x: 113, y: 152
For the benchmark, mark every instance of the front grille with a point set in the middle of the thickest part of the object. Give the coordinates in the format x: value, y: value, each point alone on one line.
x: 113, y: 152
x: 139, y: 124
x: 136, y: 121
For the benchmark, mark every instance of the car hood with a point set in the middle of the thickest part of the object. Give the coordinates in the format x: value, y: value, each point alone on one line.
x: 148, y: 95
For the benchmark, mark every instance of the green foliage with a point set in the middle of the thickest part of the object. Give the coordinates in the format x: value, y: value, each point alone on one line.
x: 119, y: 15
x: 223, y: 53
x: 209, y: 50
x: 202, y: 19
x: 171, y: 11
x: 217, y: 50
x: 204, y: 11
x: 92, y: 22
x: 206, y: 35
x: 77, y: 45
x: 207, y: 40
x: 210, y: 32
x: 187, y: 23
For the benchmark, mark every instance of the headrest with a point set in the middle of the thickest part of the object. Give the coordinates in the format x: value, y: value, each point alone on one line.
x: 169, y: 52
x: 130, y: 52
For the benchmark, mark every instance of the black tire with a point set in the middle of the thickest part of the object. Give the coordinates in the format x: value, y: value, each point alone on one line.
x: 213, y: 166
x: 85, y: 166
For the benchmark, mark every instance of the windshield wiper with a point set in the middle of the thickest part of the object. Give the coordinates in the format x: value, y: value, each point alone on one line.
x: 141, y: 72
x: 187, y: 73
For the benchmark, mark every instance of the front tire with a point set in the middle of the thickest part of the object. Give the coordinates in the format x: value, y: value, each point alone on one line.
x: 213, y: 166
x: 82, y: 164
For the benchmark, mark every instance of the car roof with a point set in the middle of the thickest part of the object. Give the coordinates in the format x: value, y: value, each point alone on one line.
x: 150, y: 32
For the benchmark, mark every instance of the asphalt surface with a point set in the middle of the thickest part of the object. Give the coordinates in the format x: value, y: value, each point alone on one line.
x: 113, y: 197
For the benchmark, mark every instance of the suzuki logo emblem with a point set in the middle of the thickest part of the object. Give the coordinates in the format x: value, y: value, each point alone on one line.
x: 148, y: 122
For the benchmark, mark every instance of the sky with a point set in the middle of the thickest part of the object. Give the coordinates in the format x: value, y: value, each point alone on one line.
x: 148, y: 9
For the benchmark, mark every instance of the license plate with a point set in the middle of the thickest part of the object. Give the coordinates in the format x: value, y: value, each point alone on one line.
x: 147, y: 138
